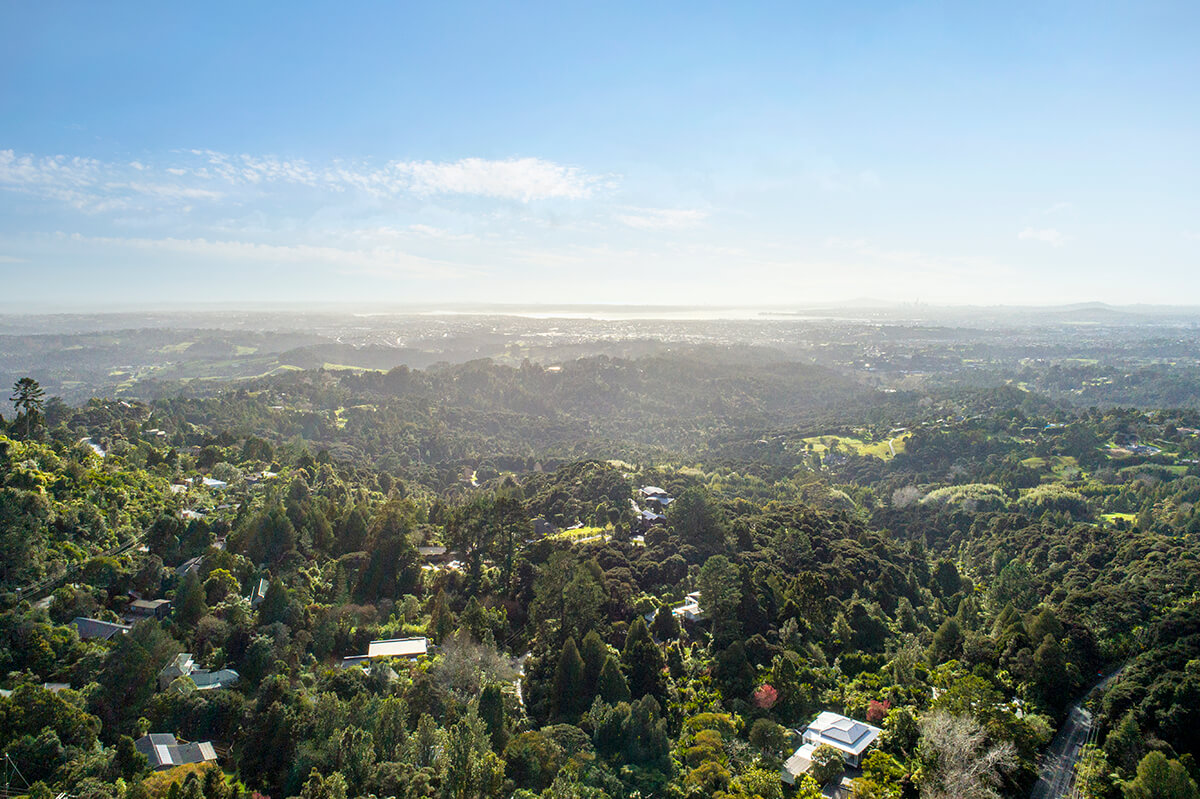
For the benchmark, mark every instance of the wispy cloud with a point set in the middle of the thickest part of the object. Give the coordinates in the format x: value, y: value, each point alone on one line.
x: 431, y: 232
x: 207, y: 175
x: 11, y: 259
x: 662, y: 218
x: 381, y: 260
x: 94, y: 186
x: 523, y: 179
x: 1051, y: 236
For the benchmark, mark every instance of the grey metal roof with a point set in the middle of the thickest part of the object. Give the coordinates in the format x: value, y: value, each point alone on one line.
x: 95, y: 628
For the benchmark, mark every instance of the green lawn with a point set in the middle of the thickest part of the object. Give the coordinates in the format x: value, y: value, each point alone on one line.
x: 581, y: 533
x: 878, y: 449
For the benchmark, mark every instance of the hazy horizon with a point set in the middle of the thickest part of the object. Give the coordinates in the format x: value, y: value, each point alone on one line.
x: 783, y: 311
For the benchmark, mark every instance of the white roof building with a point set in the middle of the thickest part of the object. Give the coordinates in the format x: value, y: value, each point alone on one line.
x: 398, y: 648
x: 844, y: 734
x: 690, y: 609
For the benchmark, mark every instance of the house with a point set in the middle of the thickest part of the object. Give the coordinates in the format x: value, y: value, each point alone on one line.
x: 185, y: 666
x: 191, y: 515
x: 398, y: 648
x: 433, y: 554
x: 189, y: 565
x: 210, y: 680
x: 690, y: 609
x: 163, y: 751
x: 215, y: 485
x: 89, y: 629
x: 389, y: 648
x: 260, y: 592
x: 848, y: 736
x: 654, y: 495
x: 181, y: 666
x: 149, y: 608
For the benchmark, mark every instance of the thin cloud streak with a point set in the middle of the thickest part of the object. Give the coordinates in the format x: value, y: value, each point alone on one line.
x: 1051, y: 236
x: 378, y: 261
x: 662, y: 218
x: 94, y: 186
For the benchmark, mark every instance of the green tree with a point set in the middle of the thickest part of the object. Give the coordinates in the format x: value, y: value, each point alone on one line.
x: 128, y: 762
x: 1093, y: 775
x: 190, y: 605
x: 699, y: 521
x: 27, y: 400
x: 318, y: 787
x: 827, y: 763
x: 583, y: 601
x: 595, y: 653
x: 491, y: 712
x: 611, y: 684
x: 570, y: 692
x: 665, y: 626
x: 1125, y: 745
x: 473, y: 529
x: 720, y: 593
x: 394, y: 566
x: 770, y: 739
x: 947, y: 642
x: 391, y: 729
x: 356, y: 758
x: 472, y: 770
x: 883, y: 777
x: 642, y: 661
x: 352, y: 532
x: 1160, y: 778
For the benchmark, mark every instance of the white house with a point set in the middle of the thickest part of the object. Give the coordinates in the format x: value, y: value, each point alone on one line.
x: 398, y: 648
x: 389, y: 648
x: 848, y: 736
x: 690, y: 609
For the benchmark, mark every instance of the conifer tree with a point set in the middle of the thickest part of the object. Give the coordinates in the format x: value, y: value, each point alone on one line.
x: 642, y: 661
x: 612, y: 685
x: 569, y: 691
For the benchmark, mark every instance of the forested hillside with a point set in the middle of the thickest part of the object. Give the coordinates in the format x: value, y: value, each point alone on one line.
x: 953, y: 568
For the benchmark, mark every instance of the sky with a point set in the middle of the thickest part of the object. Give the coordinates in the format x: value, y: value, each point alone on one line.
x: 180, y: 155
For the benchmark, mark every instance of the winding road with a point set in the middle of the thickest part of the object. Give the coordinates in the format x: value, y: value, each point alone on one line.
x: 1057, y: 771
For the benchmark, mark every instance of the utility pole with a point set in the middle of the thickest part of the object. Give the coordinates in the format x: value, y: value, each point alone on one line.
x: 9, y: 768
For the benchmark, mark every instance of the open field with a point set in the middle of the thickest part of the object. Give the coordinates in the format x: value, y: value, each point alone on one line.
x: 877, y: 449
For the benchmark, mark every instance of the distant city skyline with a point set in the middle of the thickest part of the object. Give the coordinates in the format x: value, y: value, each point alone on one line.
x: 772, y: 155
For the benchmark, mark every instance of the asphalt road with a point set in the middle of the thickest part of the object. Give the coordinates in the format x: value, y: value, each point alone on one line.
x: 1058, y: 764
x: 1057, y: 771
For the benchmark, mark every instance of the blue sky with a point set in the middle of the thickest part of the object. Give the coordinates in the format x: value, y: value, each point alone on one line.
x: 598, y: 153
